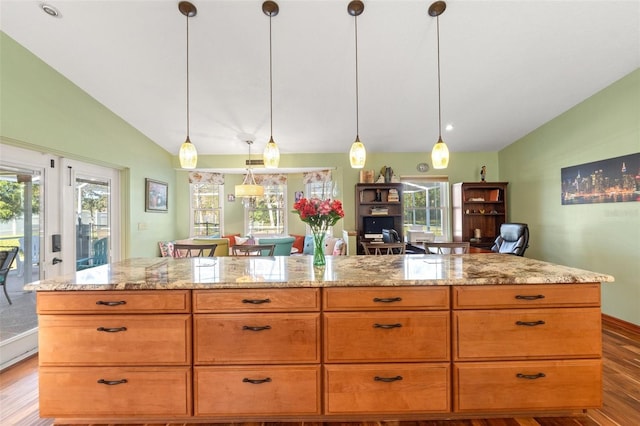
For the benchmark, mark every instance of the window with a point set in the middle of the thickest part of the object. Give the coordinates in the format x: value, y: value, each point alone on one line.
x: 318, y: 184
x: 266, y: 215
x: 206, y: 209
x: 322, y: 190
x: 426, y: 206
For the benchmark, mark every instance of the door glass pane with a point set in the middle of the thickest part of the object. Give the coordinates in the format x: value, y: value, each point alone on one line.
x: 20, y: 226
x: 92, y: 199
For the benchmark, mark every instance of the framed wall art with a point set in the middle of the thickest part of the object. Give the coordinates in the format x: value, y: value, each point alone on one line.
x: 614, y: 180
x: 156, y: 196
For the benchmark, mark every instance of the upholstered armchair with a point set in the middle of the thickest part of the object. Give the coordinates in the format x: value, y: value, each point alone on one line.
x: 513, y: 239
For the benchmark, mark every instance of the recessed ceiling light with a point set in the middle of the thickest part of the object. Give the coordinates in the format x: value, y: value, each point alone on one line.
x: 449, y: 127
x: 50, y: 10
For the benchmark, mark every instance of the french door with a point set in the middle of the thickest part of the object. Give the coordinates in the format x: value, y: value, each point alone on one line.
x: 44, y: 200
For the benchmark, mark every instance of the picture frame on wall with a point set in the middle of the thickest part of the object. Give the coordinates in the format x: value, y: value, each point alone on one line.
x: 156, y: 196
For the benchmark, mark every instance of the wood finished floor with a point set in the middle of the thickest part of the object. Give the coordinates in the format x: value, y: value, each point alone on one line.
x: 621, y: 383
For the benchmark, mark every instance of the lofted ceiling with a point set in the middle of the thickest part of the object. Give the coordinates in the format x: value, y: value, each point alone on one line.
x: 507, y: 67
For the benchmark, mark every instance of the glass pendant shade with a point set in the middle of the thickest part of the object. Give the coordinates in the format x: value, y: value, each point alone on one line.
x: 249, y: 190
x: 249, y: 187
x: 188, y: 155
x: 440, y: 155
x: 271, y: 155
x: 357, y: 154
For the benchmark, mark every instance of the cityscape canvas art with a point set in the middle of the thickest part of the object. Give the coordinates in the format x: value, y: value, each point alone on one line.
x: 613, y: 180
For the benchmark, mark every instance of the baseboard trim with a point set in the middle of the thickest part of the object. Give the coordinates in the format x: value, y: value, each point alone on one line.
x: 616, y: 322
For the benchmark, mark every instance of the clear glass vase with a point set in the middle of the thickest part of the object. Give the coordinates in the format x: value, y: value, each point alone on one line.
x: 318, y: 249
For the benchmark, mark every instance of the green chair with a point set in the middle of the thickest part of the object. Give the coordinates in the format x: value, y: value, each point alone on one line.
x: 283, y: 244
x: 6, y: 260
x: 100, y: 255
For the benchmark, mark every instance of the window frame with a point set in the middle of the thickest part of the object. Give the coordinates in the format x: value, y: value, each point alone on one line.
x: 250, y: 207
x: 193, y: 209
x: 443, y: 205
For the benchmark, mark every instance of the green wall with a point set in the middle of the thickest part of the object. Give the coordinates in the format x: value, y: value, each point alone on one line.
x: 42, y: 110
x: 599, y: 237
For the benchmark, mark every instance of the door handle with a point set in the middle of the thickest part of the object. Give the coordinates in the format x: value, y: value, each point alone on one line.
x: 56, y: 260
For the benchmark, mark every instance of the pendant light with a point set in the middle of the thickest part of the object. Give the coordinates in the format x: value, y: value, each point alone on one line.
x: 249, y: 188
x: 440, y: 152
x: 357, y: 153
x: 188, y: 153
x: 271, y: 155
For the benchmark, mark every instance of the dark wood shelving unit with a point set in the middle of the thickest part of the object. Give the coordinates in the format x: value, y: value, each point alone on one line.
x: 366, y: 196
x: 478, y: 205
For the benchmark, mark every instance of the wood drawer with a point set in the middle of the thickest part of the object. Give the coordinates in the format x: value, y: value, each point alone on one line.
x: 149, y: 391
x: 387, y: 388
x: 386, y: 336
x: 103, y: 302
x: 519, y: 334
x: 147, y: 340
x: 256, y: 338
x: 385, y: 298
x: 256, y: 300
x: 268, y: 390
x: 526, y: 296
x: 492, y: 386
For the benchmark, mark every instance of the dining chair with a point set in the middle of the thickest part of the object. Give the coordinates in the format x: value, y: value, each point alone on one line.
x: 383, y: 249
x: 447, y: 248
x: 194, y: 250
x: 7, y: 257
x: 253, y: 250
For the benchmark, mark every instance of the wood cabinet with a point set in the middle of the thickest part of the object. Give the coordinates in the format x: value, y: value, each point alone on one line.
x: 527, y: 347
x: 102, y: 353
x: 320, y: 354
x: 378, y: 206
x: 378, y: 357
x: 257, y: 352
x: 478, y: 206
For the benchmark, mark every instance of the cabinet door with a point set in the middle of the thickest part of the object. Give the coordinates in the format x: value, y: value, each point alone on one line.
x: 256, y: 338
x: 387, y: 388
x: 115, y: 391
x: 386, y: 336
x: 527, y: 385
x: 252, y: 391
x: 115, y: 339
x: 527, y: 333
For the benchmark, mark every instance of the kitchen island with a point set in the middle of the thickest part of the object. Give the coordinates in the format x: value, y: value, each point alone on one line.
x: 363, y: 338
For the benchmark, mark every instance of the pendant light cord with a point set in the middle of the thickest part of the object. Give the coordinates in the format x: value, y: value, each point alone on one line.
x: 357, y: 88
x: 187, y: 76
x: 439, y: 106
x: 270, y: 82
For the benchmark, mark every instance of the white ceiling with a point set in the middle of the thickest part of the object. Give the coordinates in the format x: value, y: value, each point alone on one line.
x: 507, y: 67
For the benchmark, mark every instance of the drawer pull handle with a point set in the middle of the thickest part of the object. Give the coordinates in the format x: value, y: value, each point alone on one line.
x: 111, y: 329
x: 256, y: 301
x: 530, y: 376
x: 256, y: 381
x: 387, y: 379
x: 530, y: 323
x: 264, y: 327
x: 107, y: 303
x: 387, y: 326
x: 536, y: 297
x: 112, y: 382
x: 387, y: 299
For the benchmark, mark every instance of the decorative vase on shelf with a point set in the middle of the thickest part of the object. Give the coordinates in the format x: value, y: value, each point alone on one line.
x: 318, y: 249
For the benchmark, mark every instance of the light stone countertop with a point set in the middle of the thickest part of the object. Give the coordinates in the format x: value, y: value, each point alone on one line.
x: 160, y: 273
